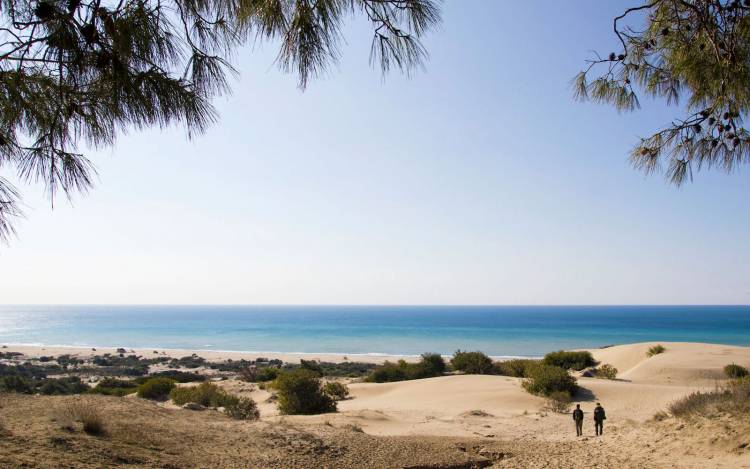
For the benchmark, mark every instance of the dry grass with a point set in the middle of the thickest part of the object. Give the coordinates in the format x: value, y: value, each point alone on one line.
x: 558, y: 402
x: 141, y: 433
x: 86, y: 414
x: 733, y: 399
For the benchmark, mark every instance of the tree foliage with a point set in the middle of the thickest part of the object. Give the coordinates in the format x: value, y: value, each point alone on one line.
x: 76, y: 72
x: 690, y: 52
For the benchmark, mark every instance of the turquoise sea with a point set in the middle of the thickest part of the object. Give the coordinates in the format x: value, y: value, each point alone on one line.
x: 408, y: 330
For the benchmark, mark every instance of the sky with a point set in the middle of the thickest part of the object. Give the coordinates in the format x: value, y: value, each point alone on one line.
x: 476, y: 181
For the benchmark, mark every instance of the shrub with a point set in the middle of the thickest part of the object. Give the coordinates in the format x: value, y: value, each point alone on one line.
x: 88, y: 416
x: 193, y: 361
x: 312, y: 366
x: 389, y: 372
x: 346, y: 369
x: 115, y: 387
x: 242, y: 408
x: 205, y: 394
x: 258, y: 375
x: 518, y: 367
x: 429, y: 366
x: 559, y: 402
x: 338, y: 391
x: 606, y: 371
x: 570, y: 360
x: 59, y: 386
x: 300, y: 392
x: 545, y: 380
x: 655, y: 350
x: 180, y: 376
x: 156, y: 388
x: 475, y: 363
x: 15, y: 383
x: 433, y: 364
x: 734, y: 371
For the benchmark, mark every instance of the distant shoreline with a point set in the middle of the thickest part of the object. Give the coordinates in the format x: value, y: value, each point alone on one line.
x: 36, y: 350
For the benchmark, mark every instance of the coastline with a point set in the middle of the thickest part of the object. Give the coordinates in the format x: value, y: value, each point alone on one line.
x: 210, y: 355
x: 37, y: 350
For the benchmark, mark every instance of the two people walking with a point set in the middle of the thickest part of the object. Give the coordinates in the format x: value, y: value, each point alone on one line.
x: 599, y: 417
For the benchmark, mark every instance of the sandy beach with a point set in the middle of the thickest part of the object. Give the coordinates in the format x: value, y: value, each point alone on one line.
x: 216, y: 356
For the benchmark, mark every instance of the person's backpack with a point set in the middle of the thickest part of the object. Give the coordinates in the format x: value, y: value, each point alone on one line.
x: 578, y: 414
x: 599, y: 414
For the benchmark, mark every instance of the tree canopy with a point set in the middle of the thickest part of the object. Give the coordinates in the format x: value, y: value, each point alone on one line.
x: 75, y: 72
x: 693, y: 53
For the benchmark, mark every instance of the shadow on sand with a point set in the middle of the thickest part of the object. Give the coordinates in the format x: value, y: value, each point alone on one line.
x: 584, y: 395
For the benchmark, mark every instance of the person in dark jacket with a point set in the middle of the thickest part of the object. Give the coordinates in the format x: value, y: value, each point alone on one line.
x: 578, y: 419
x: 599, y: 418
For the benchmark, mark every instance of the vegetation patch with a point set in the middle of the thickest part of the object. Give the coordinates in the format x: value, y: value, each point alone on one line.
x: 242, y: 408
x: 300, y: 392
x: 60, y: 386
x: 606, y: 371
x: 570, y: 360
x: 87, y: 415
x: 429, y: 366
x: 517, y: 367
x: 655, y: 350
x: 474, y: 363
x: 205, y: 394
x: 545, y: 380
x: 115, y: 387
x: 192, y: 361
x: 735, y: 371
x: 156, y: 388
x: 338, y: 391
x: 733, y: 399
x: 179, y: 376
x: 559, y: 402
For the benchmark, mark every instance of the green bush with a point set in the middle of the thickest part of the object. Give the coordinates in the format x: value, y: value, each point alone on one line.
x: 545, y: 379
x: 517, y: 367
x: 606, y: 371
x: 180, y: 376
x: 312, y: 366
x: 389, y: 372
x: 205, y: 394
x: 338, y: 391
x: 242, y: 408
x: 430, y: 365
x: 655, y: 350
x: 15, y: 383
x: 115, y: 387
x: 60, y: 386
x: 474, y: 363
x: 734, y: 371
x: 570, y: 360
x: 156, y: 388
x: 300, y: 392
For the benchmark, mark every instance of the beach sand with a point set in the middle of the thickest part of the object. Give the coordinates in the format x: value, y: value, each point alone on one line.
x: 210, y: 355
x: 496, y: 408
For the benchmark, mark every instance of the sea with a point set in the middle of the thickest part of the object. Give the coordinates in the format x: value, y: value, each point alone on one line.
x: 500, y: 331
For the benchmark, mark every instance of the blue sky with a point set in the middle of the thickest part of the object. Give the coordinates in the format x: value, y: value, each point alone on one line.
x: 478, y: 181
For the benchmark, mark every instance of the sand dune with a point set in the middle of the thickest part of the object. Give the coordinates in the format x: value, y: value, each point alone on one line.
x: 683, y: 363
x: 496, y: 409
